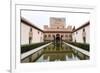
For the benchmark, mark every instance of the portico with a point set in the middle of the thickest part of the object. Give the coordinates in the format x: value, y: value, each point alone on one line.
x: 57, y: 30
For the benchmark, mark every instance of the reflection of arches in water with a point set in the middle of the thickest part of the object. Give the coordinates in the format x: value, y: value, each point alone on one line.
x: 45, y: 57
x: 57, y: 45
x: 55, y: 57
x: 69, y: 55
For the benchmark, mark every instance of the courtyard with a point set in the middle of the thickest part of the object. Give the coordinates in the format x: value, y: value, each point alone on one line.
x: 55, y: 42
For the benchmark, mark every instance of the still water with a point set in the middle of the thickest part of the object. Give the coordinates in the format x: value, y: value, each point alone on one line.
x: 55, y: 52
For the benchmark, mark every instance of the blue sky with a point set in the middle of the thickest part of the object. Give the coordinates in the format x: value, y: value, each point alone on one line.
x: 40, y: 18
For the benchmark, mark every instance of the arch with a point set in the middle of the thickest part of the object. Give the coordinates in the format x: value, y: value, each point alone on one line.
x: 58, y: 37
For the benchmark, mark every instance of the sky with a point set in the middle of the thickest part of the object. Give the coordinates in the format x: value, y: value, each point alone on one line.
x: 40, y: 18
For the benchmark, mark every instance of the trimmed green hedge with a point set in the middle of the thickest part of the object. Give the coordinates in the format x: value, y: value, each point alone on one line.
x: 25, y: 48
x: 81, y: 45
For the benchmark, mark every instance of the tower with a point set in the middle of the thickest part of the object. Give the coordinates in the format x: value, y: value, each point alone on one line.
x: 57, y: 23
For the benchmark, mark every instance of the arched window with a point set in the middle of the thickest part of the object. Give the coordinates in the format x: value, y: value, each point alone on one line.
x: 38, y: 32
x: 83, y: 29
x: 76, y: 32
x: 30, y: 29
x: 45, y: 35
x: 49, y: 35
x: 66, y: 35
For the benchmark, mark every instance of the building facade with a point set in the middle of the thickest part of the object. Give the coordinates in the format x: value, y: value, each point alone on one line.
x: 30, y: 33
x: 82, y: 33
x: 57, y: 30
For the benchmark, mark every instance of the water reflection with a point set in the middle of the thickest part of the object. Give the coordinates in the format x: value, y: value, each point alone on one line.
x: 56, y: 52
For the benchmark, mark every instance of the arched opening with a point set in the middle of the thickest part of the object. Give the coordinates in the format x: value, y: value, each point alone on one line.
x: 58, y: 38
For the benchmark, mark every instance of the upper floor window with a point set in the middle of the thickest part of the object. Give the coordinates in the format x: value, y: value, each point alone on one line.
x: 30, y: 29
x: 30, y: 32
x: 38, y: 32
x: 84, y: 33
x: 76, y: 32
x: 83, y: 29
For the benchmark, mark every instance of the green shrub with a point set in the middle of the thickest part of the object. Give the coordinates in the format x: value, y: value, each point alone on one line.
x: 81, y: 45
x: 25, y: 48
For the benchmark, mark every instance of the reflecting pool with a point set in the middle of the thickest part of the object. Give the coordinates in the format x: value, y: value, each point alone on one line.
x: 55, y: 52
